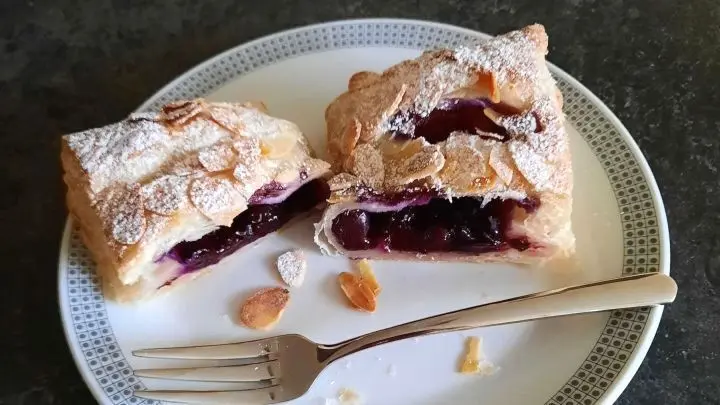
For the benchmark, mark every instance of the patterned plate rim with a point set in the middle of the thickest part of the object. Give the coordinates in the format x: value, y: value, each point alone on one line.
x: 628, y: 334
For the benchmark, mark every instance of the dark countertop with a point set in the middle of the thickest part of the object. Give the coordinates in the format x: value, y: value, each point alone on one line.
x: 66, y: 65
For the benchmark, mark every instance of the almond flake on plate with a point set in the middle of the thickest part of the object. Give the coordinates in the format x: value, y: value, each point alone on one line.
x: 263, y: 309
x: 367, y: 276
x: 359, y: 293
x: 292, y: 266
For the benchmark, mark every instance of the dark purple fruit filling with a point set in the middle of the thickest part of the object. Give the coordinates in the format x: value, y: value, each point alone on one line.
x: 440, y: 225
x: 465, y: 115
x: 255, y: 222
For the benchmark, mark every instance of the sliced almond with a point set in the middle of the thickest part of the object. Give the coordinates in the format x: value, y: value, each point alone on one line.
x: 166, y: 194
x: 292, y: 266
x: 426, y: 162
x: 263, y: 309
x: 367, y: 276
x: 342, y: 181
x: 395, y: 149
x: 360, y: 294
x: 218, y: 157
x: 278, y: 146
x: 464, y: 164
x: 367, y: 164
x: 177, y: 114
x: 216, y: 198
x: 532, y: 166
x: 500, y: 161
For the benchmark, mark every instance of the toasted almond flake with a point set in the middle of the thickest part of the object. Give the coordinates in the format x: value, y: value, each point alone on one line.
x: 263, y: 309
x: 216, y: 198
x: 292, y: 266
x: 277, y: 147
x: 166, y: 194
x: 532, y: 165
x: 217, y: 157
x: 367, y: 164
x: 422, y: 164
x: 367, y: 276
x: 248, y: 149
x: 180, y: 113
x: 464, y: 164
x: 394, y: 150
x: 360, y: 294
x: 343, y: 181
x: 499, y: 158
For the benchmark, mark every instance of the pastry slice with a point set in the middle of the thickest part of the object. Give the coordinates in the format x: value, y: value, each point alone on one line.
x: 455, y: 155
x: 159, y: 197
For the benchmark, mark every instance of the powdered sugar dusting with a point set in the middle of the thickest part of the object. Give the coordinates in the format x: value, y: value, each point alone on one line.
x: 212, y: 196
x: 426, y: 162
x: 166, y: 194
x: 292, y: 266
x: 128, y: 222
x: 342, y: 181
x: 532, y: 165
x: 518, y: 124
x: 217, y: 157
x: 368, y: 165
x: 121, y: 152
x: 499, y: 158
x: 509, y: 57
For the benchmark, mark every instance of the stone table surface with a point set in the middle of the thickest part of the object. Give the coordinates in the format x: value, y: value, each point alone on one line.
x: 66, y: 65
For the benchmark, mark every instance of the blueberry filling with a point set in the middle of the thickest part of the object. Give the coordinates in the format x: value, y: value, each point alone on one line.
x: 255, y: 222
x: 464, y: 115
x: 436, y: 225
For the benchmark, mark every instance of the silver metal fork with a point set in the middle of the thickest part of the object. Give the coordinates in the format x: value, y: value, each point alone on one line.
x: 283, y: 368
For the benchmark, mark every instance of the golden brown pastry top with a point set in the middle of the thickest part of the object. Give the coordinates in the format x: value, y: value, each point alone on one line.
x: 192, y: 157
x: 509, y: 68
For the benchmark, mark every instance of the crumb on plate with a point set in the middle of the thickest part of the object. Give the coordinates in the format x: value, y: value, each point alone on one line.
x: 348, y: 397
x: 474, y: 361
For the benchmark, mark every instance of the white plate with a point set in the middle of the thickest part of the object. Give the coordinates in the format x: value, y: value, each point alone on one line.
x: 618, y: 218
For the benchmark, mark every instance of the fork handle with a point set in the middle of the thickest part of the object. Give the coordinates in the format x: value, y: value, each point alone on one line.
x: 623, y: 292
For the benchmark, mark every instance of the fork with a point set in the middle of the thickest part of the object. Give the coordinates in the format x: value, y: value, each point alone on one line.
x: 283, y: 368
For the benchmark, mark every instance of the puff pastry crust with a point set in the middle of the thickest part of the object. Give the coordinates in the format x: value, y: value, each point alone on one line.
x: 385, y: 140
x: 140, y: 186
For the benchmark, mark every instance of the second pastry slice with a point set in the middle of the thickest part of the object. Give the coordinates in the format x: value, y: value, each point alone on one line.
x: 455, y: 155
